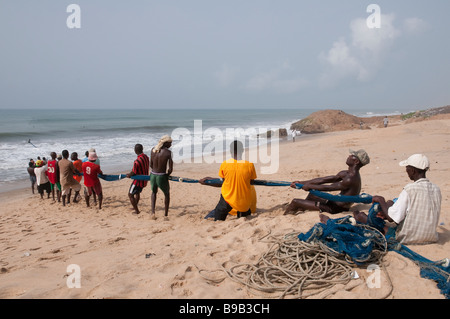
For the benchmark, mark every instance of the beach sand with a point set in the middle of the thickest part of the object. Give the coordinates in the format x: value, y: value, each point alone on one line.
x: 125, y: 256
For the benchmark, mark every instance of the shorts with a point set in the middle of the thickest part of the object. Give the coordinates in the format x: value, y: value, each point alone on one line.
x: 33, y: 179
x: 161, y: 181
x: 97, y: 189
x: 223, y: 209
x: 66, y: 188
x: 331, y: 207
x: 135, y: 189
x: 58, y: 185
x: 44, y: 187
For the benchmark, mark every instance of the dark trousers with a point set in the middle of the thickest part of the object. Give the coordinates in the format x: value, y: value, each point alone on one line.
x: 222, y: 210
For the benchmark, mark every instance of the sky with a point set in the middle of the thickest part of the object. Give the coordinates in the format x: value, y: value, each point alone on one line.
x: 217, y: 54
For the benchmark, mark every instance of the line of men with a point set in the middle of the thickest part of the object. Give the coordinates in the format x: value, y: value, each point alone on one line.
x: 415, y: 214
x: 60, y: 175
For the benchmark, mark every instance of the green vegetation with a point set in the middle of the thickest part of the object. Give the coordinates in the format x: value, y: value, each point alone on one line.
x: 408, y: 116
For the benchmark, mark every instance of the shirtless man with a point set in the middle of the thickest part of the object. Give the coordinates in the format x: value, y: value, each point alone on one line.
x: 161, y: 157
x: 348, y: 182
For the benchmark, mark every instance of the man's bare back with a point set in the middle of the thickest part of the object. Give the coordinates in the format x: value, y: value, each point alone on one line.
x: 159, y: 162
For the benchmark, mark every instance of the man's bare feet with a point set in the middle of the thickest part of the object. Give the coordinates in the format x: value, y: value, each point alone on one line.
x: 360, y: 217
x: 323, y: 218
x: 290, y: 209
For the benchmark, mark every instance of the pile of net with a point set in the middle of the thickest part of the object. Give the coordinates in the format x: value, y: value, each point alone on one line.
x: 304, y: 265
x: 301, y: 265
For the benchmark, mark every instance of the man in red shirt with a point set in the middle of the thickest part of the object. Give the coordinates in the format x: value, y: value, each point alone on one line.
x: 53, y: 176
x: 91, y: 181
x: 141, y: 166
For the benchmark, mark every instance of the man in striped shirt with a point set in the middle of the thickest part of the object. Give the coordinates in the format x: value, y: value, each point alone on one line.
x: 141, y: 166
x: 417, y: 209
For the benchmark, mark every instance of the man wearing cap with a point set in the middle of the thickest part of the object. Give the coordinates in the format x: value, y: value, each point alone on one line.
x: 91, y: 181
x: 418, y: 207
x: 348, y: 182
x: 41, y: 178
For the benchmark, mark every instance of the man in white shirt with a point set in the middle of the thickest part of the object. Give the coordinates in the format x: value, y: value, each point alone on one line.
x: 418, y: 207
x: 42, y: 181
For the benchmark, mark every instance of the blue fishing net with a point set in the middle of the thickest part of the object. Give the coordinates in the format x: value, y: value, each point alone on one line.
x: 354, y: 241
x: 361, y: 244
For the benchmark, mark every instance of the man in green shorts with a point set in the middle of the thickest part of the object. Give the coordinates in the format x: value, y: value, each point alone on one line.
x: 160, y: 158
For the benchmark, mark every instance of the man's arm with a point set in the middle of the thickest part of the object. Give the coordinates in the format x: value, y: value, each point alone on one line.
x: 321, y: 180
x: 384, y: 207
x: 132, y: 171
x: 339, y: 186
x: 205, y: 179
x: 170, y: 161
x: 74, y: 170
x: 393, y: 212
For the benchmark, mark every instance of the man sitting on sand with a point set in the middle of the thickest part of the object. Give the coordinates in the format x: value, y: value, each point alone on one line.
x: 348, y: 182
x: 238, y: 195
x: 417, y: 209
x: 160, y: 158
x: 141, y: 166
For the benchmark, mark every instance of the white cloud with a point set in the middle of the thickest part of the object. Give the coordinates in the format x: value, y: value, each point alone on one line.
x: 363, y: 55
x: 340, y: 64
x: 374, y: 41
x: 278, y: 79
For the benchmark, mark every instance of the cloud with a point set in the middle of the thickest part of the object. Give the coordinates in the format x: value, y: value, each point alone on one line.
x: 281, y: 79
x: 363, y: 55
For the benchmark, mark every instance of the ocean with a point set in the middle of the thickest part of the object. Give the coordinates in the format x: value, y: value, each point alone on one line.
x: 26, y: 134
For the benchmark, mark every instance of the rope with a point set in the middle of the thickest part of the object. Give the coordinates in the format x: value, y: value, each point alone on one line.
x: 363, y: 198
x: 290, y: 268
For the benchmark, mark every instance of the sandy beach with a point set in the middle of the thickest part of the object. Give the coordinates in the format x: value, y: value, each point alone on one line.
x: 125, y: 256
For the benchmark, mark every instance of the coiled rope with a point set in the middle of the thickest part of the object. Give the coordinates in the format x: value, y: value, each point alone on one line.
x: 290, y: 268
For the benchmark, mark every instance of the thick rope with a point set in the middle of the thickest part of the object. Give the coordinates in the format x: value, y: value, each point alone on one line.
x: 363, y: 198
x: 290, y: 268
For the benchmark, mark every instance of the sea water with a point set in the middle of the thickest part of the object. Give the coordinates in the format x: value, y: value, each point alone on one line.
x: 27, y: 134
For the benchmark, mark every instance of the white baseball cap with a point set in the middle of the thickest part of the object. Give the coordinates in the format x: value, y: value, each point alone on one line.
x: 419, y: 161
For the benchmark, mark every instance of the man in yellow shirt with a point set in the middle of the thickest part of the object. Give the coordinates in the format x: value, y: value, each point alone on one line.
x: 238, y: 195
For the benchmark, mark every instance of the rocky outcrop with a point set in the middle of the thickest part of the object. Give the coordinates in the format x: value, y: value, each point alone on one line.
x: 328, y: 121
x: 336, y: 120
